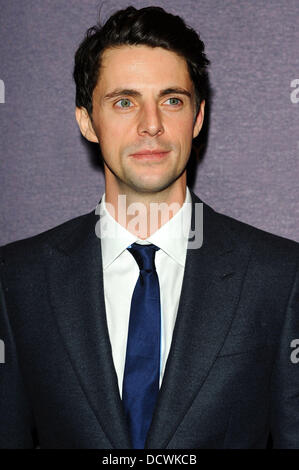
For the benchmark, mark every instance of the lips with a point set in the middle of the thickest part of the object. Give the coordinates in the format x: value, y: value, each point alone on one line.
x: 148, y: 154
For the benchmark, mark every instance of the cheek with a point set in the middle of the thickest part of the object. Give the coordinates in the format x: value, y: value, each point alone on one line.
x: 182, y: 133
x: 115, y: 130
x: 111, y: 129
x: 114, y: 148
x: 109, y: 138
x: 109, y: 147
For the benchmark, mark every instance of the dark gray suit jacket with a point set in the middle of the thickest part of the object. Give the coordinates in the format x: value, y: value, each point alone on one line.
x: 229, y: 382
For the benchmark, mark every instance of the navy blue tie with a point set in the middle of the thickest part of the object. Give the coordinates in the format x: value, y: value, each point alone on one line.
x: 142, y: 366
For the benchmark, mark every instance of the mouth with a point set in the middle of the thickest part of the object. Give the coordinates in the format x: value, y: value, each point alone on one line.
x: 150, y: 154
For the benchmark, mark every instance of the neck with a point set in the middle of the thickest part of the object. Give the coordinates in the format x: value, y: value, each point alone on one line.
x: 143, y: 213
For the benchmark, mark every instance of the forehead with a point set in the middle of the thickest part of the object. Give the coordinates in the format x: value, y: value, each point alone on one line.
x: 142, y: 67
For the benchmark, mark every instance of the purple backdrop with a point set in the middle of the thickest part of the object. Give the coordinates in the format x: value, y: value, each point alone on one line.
x: 250, y: 169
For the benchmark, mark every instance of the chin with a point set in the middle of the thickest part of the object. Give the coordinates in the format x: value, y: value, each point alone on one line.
x: 152, y: 186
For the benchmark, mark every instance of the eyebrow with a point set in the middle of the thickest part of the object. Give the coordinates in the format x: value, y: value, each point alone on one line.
x: 135, y: 94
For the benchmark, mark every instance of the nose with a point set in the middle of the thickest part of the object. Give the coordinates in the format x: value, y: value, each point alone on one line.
x: 150, y: 122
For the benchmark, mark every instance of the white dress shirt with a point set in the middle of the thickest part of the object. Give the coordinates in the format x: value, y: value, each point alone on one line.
x: 121, y: 272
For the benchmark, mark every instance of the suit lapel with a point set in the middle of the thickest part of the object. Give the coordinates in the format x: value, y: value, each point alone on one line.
x: 210, y: 291
x: 77, y: 296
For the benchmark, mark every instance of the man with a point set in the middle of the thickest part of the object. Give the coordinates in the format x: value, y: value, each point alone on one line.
x: 125, y: 335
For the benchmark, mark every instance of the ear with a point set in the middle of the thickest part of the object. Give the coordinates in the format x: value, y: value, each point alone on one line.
x: 85, y: 125
x: 199, y: 119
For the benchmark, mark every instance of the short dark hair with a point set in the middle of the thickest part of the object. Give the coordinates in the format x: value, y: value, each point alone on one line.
x: 150, y: 26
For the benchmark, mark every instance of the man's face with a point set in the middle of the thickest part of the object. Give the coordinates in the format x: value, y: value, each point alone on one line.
x: 144, y: 101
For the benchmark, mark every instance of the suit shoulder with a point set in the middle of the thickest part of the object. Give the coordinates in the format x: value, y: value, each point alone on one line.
x: 30, y: 247
x: 262, y: 241
x: 243, y: 233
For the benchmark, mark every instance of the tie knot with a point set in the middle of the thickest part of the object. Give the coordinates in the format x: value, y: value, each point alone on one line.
x: 144, y: 255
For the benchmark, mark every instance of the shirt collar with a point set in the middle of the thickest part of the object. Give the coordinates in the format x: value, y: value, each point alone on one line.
x: 172, y: 237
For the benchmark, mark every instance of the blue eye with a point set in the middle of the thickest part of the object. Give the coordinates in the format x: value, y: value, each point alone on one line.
x: 174, y: 101
x: 125, y: 103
